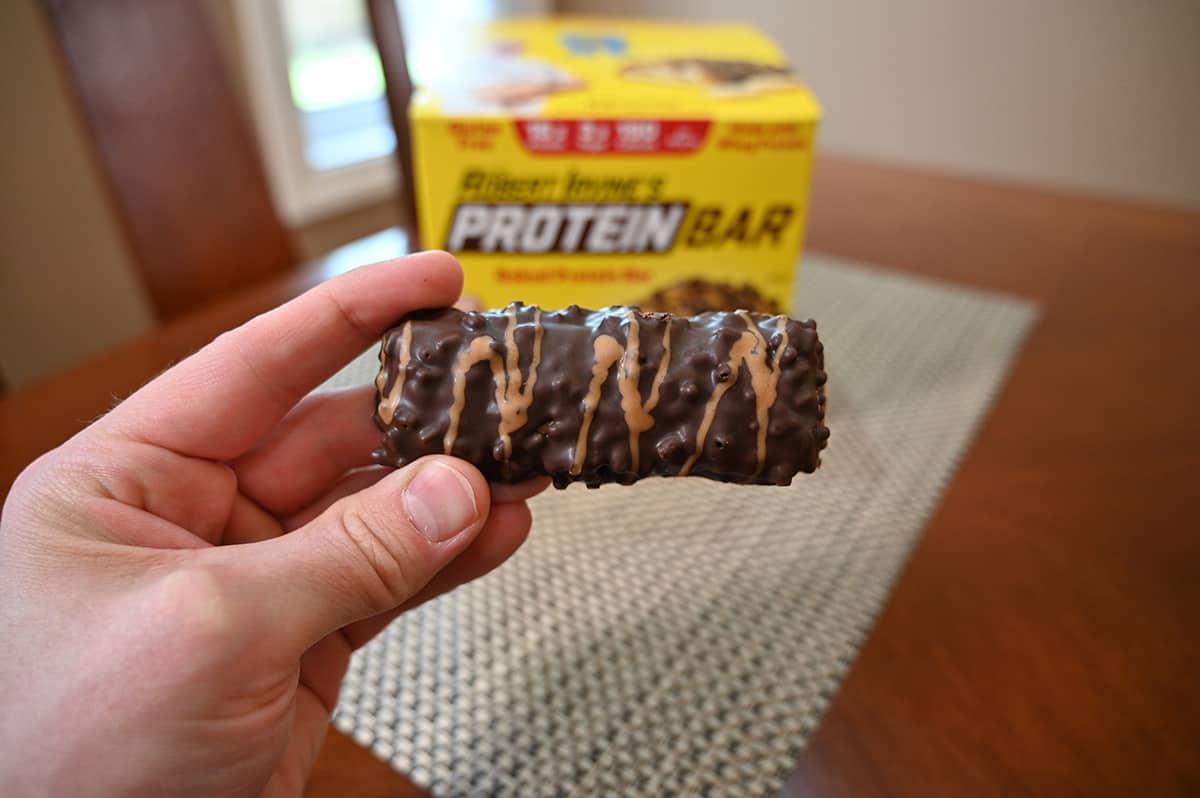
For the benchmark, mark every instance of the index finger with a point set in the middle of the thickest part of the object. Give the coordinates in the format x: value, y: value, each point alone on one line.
x: 221, y: 400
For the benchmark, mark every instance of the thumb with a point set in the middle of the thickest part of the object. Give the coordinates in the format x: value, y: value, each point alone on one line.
x: 371, y: 551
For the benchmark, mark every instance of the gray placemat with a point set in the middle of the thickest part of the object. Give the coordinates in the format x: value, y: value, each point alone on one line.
x: 681, y: 637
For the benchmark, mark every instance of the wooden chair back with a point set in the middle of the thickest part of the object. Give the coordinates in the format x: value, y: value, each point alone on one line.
x: 174, y: 146
x: 388, y: 31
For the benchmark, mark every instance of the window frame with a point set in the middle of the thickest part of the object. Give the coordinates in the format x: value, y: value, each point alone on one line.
x: 301, y: 193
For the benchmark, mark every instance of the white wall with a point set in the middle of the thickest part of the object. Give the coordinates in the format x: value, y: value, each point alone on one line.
x: 1100, y: 96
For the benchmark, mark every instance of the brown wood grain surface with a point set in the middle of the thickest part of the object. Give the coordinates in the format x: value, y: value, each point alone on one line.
x: 1043, y: 638
x: 174, y: 146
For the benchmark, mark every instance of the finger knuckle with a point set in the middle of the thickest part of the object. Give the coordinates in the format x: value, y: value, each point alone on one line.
x: 195, y: 604
x: 389, y: 567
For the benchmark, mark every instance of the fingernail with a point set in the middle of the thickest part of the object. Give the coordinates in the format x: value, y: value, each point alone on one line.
x: 439, y: 502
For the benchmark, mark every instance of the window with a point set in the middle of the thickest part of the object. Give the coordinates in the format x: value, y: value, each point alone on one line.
x: 336, y: 83
x: 318, y: 95
x: 318, y: 102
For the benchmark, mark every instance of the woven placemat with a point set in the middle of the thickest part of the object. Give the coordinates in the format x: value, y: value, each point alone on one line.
x: 682, y: 637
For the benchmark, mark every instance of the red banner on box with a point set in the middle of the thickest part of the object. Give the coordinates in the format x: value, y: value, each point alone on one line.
x: 612, y: 136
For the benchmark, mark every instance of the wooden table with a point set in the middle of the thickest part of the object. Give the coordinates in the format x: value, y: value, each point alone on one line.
x: 1045, y: 636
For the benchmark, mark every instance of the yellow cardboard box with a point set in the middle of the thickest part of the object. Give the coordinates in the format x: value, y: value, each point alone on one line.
x: 599, y: 162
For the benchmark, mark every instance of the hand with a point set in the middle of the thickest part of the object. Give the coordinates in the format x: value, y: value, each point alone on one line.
x: 182, y: 583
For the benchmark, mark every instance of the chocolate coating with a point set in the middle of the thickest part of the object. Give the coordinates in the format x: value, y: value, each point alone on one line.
x: 604, y: 396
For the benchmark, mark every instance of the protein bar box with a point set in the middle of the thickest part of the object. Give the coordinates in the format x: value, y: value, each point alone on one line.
x: 599, y: 162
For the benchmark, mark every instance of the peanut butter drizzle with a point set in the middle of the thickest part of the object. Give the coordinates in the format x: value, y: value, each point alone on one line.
x: 514, y: 410
x: 751, y: 349
x: 389, y: 403
x: 607, y: 353
x: 637, y: 414
x: 514, y: 396
x: 479, y: 350
x: 766, y: 384
x: 737, y: 353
